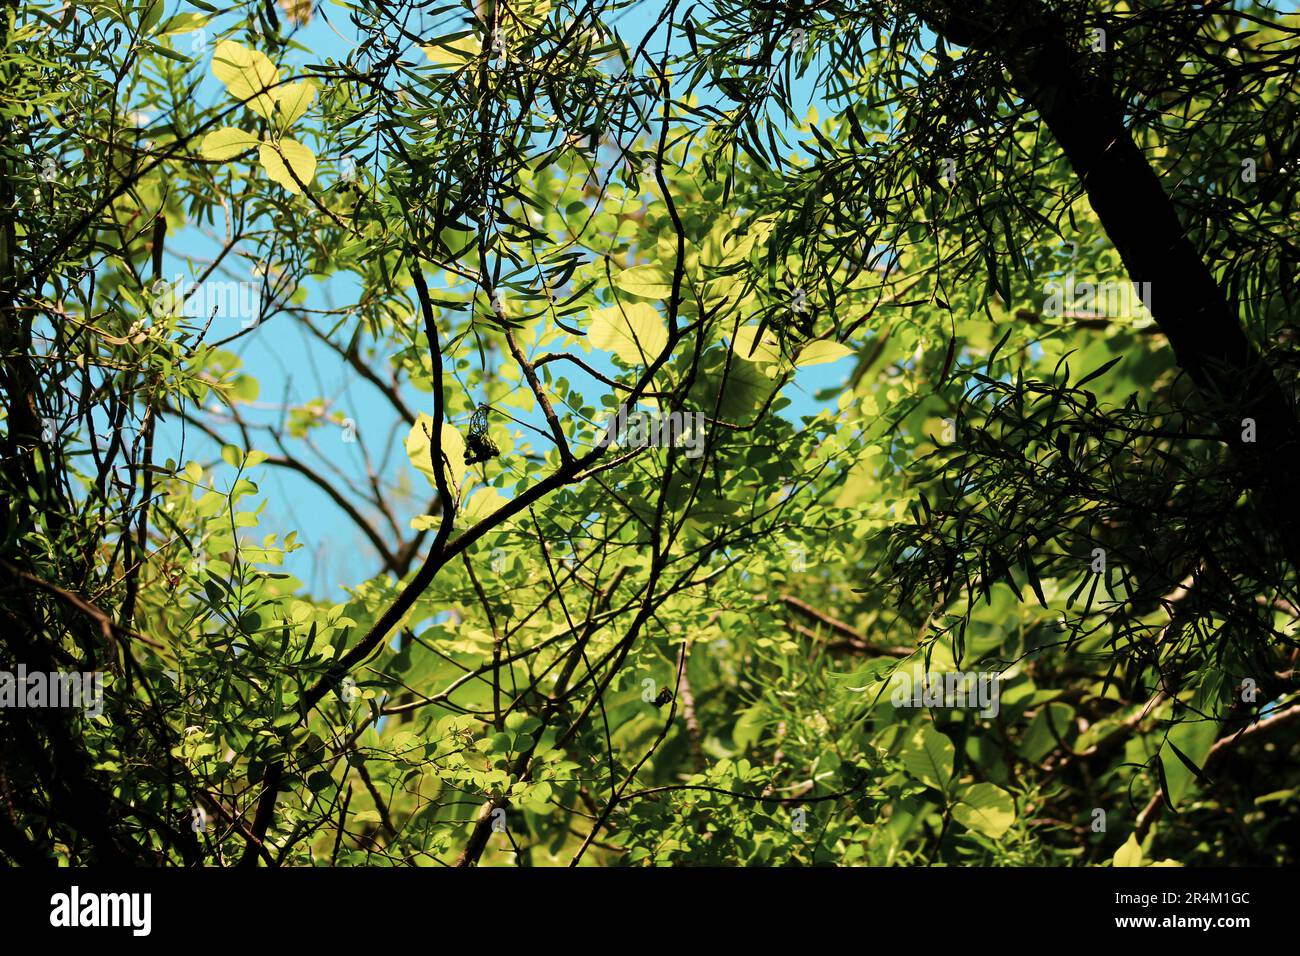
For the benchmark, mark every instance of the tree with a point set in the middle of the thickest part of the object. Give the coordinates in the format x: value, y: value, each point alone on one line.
x: 1023, y: 580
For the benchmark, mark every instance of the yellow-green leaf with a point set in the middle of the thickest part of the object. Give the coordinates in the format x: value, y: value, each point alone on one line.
x: 248, y: 75
x: 453, y: 52
x: 453, y: 451
x: 722, y: 246
x: 928, y: 756
x: 483, y: 504
x: 986, y: 809
x: 765, y: 352
x: 649, y: 282
x: 292, y: 100
x: 736, y: 391
x: 821, y: 351
x: 227, y: 143
x: 634, y: 332
x: 278, y: 158
x: 182, y: 23
x: 1130, y: 854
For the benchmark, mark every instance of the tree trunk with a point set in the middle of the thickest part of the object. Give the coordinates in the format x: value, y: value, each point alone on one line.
x: 1087, y: 120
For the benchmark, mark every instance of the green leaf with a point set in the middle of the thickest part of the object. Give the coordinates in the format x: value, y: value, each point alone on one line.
x: 530, y: 13
x: 483, y: 504
x: 1097, y: 372
x: 183, y: 23
x: 821, y: 352
x: 872, y: 673
x: 985, y: 809
x: 1052, y: 721
x: 227, y: 143
x: 1190, y: 740
x: 540, y: 793
x: 749, y: 728
x: 928, y: 756
x: 153, y: 11
x: 743, y: 390
x: 748, y: 346
x: 634, y: 332
x: 164, y: 51
x: 244, y: 388
x: 1031, y: 573
x: 1130, y: 854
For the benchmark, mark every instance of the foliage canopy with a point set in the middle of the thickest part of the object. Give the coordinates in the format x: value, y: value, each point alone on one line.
x: 505, y: 221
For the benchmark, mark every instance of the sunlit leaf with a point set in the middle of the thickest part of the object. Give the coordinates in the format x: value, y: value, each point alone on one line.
x: 635, y: 332
x: 227, y: 143
x: 986, y: 809
x: 248, y: 75
x: 292, y: 101
x: 649, y: 282
x: 278, y: 158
